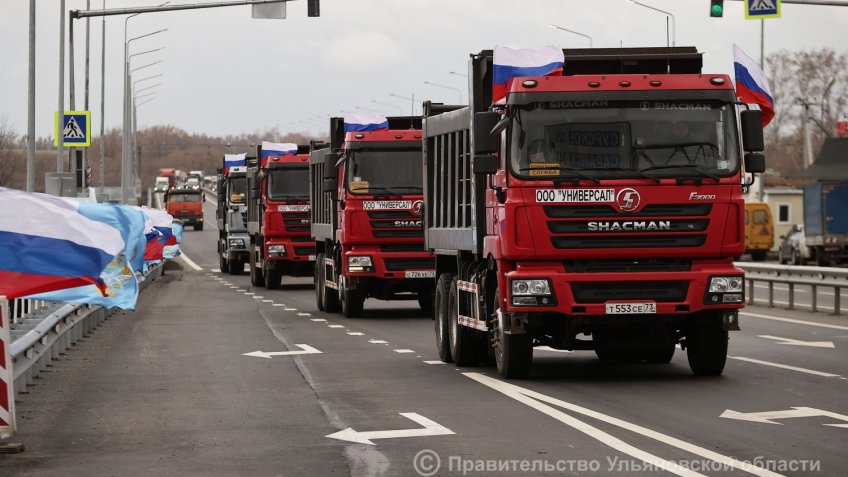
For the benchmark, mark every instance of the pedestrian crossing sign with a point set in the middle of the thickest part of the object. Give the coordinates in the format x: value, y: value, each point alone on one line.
x: 759, y: 9
x: 75, y: 129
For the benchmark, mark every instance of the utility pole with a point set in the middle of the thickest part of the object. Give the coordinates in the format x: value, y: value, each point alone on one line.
x: 30, y: 165
x: 102, y: 100
x: 87, y: 64
x: 60, y: 140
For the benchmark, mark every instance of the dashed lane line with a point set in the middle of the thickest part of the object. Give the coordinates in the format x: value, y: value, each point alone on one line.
x: 190, y: 262
x: 791, y: 320
x: 403, y: 351
x: 786, y: 366
x: 335, y: 326
x: 378, y: 341
x: 355, y: 333
x: 435, y: 362
x: 318, y: 319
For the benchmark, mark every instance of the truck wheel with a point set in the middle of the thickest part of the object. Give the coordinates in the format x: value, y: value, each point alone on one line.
x: 821, y: 258
x: 223, y: 264
x: 257, y: 279
x: 441, y: 321
x: 198, y: 226
x: 318, y: 281
x: 662, y: 354
x: 236, y: 267
x: 465, y: 347
x: 706, y: 347
x: 352, y: 303
x: 758, y: 256
x: 329, y: 295
x: 513, y: 353
x: 274, y: 279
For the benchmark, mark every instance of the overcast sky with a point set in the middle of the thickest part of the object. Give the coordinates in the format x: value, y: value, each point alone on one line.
x: 226, y: 73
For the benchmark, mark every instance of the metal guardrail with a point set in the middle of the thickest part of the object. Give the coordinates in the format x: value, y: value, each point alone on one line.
x: 794, y: 276
x: 49, y: 329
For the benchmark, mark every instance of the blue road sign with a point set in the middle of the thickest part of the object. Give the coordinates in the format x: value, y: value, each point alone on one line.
x: 75, y: 129
x: 759, y: 9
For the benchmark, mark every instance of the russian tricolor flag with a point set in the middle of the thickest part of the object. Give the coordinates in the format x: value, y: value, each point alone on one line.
x: 510, y: 63
x: 275, y: 149
x: 234, y: 160
x: 365, y: 122
x: 751, y: 84
x: 47, y: 243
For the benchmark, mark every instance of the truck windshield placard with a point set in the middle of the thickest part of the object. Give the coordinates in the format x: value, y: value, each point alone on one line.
x: 386, y: 204
x: 586, y: 145
x: 595, y: 196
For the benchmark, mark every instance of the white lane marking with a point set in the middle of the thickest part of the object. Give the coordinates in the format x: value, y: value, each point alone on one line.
x: 355, y: 333
x: 335, y: 326
x: 435, y: 362
x: 785, y: 366
x: 548, y: 348
x: 241, y: 290
x: 216, y: 270
x: 267, y: 301
x: 317, y: 319
x: 378, y: 341
x: 766, y: 417
x: 536, y: 401
x: 790, y: 320
x: 249, y: 293
x: 258, y: 297
x: 793, y: 342
x: 190, y: 262
x: 403, y: 351
x: 278, y: 304
x: 304, y: 349
x: 290, y: 309
x: 431, y: 428
x: 234, y: 287
x: 304, y: 314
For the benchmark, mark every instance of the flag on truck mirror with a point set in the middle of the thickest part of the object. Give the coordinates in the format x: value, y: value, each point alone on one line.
x: 234, y: 160
x: 275, y: 149
x: 752, y: 85
x: 510, y: 63
x: 365, y: 122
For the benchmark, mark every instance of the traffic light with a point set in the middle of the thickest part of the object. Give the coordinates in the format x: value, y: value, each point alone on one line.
x: 717, y: 8
x: 313, y: 9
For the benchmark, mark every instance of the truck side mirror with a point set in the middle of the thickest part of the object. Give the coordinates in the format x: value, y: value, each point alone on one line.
x: 484, y: 141
x: 485, y: 165
x: 330, y: 160
x: 752, y: 131
x: 755, y: 162
x: 330, y: 184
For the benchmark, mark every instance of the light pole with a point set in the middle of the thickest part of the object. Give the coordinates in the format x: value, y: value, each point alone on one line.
x: 458, y: 74
x: 430, y: 83
x: 556, y: 27
x: 388, y: 104
x: 368, y: 109
x: 673, y: 21
x: 411, y: 99
x: 125, y: 148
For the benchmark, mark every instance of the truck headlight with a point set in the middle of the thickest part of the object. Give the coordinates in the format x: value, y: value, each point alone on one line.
x: 533, y: 292
x: 726, y: 284
x: 236, y: 243
x: 276, y: 250
x: 355, y: 261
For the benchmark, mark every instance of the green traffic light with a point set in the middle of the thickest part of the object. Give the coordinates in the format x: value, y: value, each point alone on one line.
x: 717, y: 11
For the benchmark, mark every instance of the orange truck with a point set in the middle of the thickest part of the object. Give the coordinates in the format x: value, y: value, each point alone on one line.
x: 187, y: 205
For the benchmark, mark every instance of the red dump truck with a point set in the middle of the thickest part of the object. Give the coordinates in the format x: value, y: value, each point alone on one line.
x: 278, y: 214
x: 596, y: 209
x: 366, y: 217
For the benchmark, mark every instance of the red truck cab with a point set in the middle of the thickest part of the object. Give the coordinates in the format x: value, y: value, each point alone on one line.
x: 278, y: 217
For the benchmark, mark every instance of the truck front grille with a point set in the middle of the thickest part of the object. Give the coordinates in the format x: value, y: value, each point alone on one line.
x: 629, y: 241
x: 304, y: 250
x: 395, y: 264
x: 600, y: 292
x: 628, y: 265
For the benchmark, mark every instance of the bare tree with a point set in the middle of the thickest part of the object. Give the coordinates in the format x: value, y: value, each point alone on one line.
x: 10, y: 154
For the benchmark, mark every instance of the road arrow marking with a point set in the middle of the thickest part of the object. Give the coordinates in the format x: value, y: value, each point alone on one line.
x: 767, y: 417
x: 430, y: 428
x: 791, y: 342
x: 304, y: 349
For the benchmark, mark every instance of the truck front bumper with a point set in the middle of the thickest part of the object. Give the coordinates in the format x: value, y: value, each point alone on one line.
x: 589, y: 294
x: 389, y: 265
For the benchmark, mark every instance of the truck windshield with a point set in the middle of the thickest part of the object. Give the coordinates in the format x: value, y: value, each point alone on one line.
x: 238, y: 187
x: 288, y: 183
x: 614, y: 139
x: 384, y: 171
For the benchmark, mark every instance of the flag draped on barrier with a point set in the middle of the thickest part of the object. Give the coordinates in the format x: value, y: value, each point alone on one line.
x: 46, y: 243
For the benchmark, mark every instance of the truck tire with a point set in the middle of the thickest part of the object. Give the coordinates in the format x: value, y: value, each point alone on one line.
x: 318, y: 281
x: 706, y: 347
x: 329, y: 295
x: 758, y: 256
x: 441, y: 322
x: 465, y: 346
x: 198, y: 226
x: 223, y: 264
x: 352, y: 303
x: 236, y: 267
x: 273, y: 279
x: 821, y: 257
x: 662, y: 354
x: 257, y: 279
x: 513, y: 353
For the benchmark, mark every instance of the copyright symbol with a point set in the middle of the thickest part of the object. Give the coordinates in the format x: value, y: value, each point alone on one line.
x: 426, y: 463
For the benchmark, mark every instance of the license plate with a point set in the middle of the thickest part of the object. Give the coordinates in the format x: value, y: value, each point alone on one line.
x: 631, y: 308
x: 421, y: 274
x: 311, y: 258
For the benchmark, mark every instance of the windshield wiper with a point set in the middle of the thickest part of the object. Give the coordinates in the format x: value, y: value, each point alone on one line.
x: 635, y: 171
x: 359, y: 190
x: 692, y: 167
x: 576, y: 172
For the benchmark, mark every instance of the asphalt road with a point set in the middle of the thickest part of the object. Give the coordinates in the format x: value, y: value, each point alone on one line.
x: 169, y: 390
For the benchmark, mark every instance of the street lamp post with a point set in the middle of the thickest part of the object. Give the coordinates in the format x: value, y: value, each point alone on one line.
x: 388, y: 104
x: 446, y: 87
x: 411, y: 99
x: 557, y: 27
x: 368, y: 109
x: 673, y: 21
